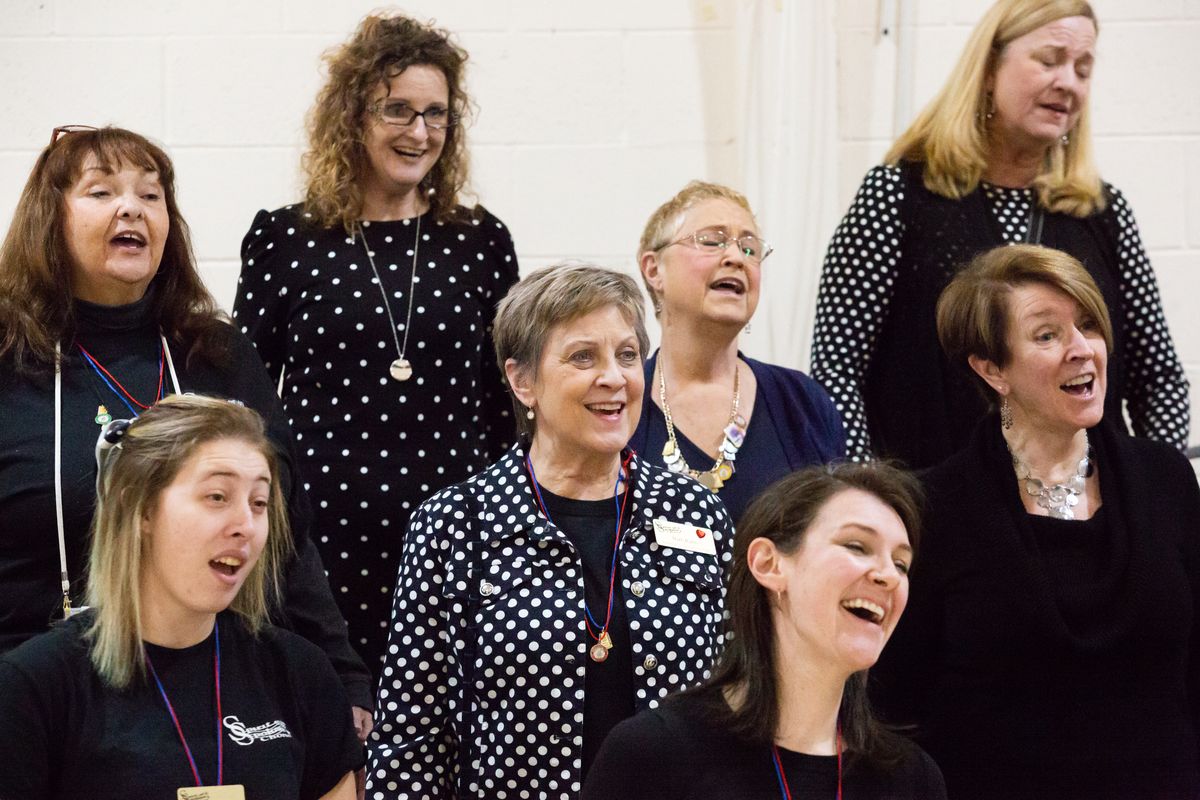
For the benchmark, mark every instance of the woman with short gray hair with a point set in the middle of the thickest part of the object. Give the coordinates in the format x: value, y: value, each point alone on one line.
x: 562, y: 589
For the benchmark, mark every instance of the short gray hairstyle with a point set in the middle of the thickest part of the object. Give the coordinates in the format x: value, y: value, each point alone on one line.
x: 552, y: 296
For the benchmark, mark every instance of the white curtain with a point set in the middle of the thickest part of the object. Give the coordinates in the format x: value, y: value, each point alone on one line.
x: 788, y: 144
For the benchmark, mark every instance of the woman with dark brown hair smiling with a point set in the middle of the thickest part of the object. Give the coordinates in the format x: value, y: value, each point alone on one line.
x: 820, y: 579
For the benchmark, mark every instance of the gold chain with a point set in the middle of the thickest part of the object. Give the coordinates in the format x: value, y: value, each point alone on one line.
x: 735, y: 433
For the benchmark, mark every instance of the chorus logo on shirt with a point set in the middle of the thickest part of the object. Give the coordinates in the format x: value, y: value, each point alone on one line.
x: 244, y: 735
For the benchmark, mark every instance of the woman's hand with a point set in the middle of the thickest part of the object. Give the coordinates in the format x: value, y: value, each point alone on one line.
x: 363, y: 723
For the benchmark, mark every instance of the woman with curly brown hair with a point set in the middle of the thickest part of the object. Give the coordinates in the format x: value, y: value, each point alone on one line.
x: 372, y: 302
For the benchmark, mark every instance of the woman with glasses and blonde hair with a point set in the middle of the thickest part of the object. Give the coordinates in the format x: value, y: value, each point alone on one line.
x: 372, y: 302
x: 1003, y: 154
x: 102, y: 313
x: 174, y: 678
x: 733, y: 423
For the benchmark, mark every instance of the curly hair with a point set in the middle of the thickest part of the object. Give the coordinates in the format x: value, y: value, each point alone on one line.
x: 950, y: 135
x: 381, y: 48
x: 35, y: 261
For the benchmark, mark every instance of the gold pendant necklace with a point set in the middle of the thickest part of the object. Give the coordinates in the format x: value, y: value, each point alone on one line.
x: 735, y: 433
x: 401, y: 369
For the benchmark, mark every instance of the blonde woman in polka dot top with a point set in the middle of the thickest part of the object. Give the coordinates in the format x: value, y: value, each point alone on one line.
x: 560, y: 590
x: 1002, y: 155
x: 372, y: 301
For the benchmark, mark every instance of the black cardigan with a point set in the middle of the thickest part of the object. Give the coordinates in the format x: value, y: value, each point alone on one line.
x: 1007, y: 697
x: 125, y: 340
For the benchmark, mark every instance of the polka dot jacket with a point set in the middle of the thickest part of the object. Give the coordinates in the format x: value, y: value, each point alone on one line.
x: 862, y: 266
x: 484, y: 572
x: 371, y: 448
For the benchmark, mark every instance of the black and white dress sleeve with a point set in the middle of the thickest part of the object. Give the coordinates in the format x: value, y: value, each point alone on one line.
x: 857, y: 281
x: 1156, y: 385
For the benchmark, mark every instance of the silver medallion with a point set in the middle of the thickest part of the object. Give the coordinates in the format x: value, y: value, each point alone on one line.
x: 401, y: 369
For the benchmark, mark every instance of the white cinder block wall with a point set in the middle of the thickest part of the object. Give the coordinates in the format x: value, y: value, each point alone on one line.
x: 590, y: 115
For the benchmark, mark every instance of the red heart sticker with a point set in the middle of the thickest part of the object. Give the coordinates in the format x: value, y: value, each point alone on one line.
x: 699, y: 533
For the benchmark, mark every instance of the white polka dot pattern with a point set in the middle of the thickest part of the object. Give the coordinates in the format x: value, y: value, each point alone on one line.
x: 525, y: 724
x: 371, y: 448
x: 861, y: 268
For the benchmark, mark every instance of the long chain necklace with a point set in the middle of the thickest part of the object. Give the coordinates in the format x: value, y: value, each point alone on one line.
x: 401, y: 368
x: 1058, y: 499
x: 735, y: 433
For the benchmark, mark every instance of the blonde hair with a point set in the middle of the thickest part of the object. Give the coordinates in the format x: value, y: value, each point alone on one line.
x: 950, y: 134
x: 552, y: 296
x: 667, y: 219
x: 146, y: 460
x: 381, y: 48
x: 973, y: 314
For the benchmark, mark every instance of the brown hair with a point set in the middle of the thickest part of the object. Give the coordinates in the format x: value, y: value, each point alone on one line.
x: 973, y: 315
x: 35, y: 262
x: 552, y: 296
x: 664, y: 223
x: 381, y: 48
x: 749, y: 663
x: 149, y: 456
x: 950, y: 135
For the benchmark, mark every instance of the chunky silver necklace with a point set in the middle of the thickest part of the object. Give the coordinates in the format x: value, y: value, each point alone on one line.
x: 401, y: 368
x: 1059, y: 499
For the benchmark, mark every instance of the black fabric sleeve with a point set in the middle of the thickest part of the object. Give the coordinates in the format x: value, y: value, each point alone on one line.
x: 26, y: 736
x: 638, y: 761
x: 498, y: 424
x: 331, y: 743
x: 260, y: 309
x: 308, y: 607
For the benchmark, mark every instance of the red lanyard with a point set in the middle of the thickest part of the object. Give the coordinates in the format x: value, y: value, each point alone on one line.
x: 786, y: 792
x: 179, y: 729
x: 115, y: 384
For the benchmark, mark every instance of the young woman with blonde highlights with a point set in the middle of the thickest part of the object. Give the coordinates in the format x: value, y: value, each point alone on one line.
x: 174, y: 678
x: 1003, y: 154
x: 373, y: 299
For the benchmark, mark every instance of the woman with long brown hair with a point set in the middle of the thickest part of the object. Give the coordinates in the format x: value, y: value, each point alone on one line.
x: 372, y: 301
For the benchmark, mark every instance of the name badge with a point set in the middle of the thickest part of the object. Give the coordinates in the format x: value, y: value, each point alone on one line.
x: 682, y: 536
x: 228, y: 792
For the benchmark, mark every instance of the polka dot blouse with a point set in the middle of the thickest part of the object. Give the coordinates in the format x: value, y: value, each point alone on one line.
x: 859, y: 276
x: 371, y: 448
x: 485, y: 574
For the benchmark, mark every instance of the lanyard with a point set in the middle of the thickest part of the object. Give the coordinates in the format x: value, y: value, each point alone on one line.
x: 784, y: 791
x: 179, y: 729
x: 612, y: 571
x: 58, y: 488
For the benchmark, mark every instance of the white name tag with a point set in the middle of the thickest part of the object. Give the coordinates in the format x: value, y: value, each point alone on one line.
x: 226, y: 792
x: 682, y: 536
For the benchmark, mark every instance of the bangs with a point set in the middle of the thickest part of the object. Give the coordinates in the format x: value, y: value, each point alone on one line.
x: 112, y: 149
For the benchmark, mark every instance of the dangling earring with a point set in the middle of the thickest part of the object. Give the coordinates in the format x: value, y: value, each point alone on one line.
x: 529, y: 413
x: 1006, y: 415
x: 747, y: 328
x: 991, y: 108
x: 657, y: 307
x: 1066, y: 139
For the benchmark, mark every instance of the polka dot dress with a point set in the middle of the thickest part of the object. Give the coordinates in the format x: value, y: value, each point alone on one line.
x: 371, y: 448
x: 861, y: 268
x: 484, y: 572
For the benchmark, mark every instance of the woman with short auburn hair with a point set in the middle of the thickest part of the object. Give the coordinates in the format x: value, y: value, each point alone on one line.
x: 561, y: 589
x: 189, y: 537
x: 819, y: 581
x: 102, y: 314
x: 1035, y: 659
x: 372, y: 301
x: 1003, y: 154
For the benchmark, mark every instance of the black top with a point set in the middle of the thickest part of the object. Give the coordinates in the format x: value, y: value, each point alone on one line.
x: 1054, y: 658
x: 608, y: 685
x: 875, y: 345
x: 125, y: 340
x: 371, y: 448
x: 676, y: 752
x: 286, y: 720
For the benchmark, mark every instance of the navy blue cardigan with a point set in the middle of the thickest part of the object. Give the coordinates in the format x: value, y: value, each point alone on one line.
x: 800, y: 413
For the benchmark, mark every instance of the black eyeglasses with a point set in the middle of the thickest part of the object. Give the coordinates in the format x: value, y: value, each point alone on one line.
x: 401, y: 114
x: 752, y: 248
x: 61, y: 130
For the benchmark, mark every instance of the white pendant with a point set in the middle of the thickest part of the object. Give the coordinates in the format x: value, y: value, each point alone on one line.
x: 401, y: 369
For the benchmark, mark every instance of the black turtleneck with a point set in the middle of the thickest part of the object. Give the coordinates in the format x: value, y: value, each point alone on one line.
x: 125, y: 341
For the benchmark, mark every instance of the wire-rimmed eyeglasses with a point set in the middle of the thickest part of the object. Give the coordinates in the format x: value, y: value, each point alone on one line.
x: 714, y: 241
x: 401, y: 114
x: 61, y: 130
